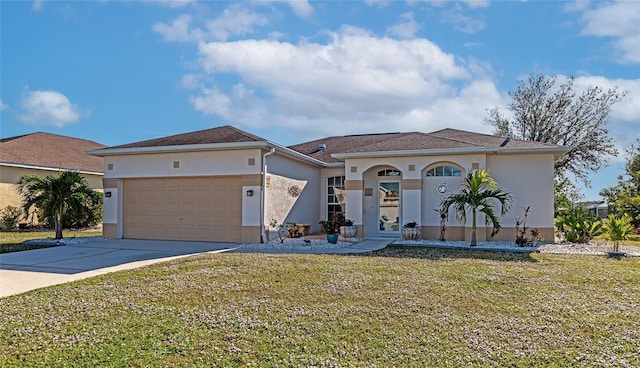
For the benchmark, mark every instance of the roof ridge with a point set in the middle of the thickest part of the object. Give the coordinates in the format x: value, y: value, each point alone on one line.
x: 401, y: 135
x: 243, y: 132
x: 460, y: 140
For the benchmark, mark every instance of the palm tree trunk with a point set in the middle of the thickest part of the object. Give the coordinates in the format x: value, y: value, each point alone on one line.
x: 58, y: 226
x: 473, y: 227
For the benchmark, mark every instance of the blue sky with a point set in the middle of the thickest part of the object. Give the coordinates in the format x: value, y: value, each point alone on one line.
x: 122, y: 71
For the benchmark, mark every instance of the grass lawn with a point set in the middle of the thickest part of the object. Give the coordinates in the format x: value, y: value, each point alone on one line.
x: 396, y: 307
x: 11, y: 241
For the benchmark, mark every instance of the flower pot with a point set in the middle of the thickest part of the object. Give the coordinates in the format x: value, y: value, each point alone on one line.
x: 332, y: 238
x: 348, y: 231
x: 411, y: 233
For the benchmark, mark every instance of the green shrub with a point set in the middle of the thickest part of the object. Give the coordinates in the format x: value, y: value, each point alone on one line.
x: 10, y: 217
x: 79, y: 218
x: 579, y: 225
x: 616, y: 229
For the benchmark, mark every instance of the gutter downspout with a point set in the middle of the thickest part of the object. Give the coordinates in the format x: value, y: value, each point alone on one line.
x: 263, y: 186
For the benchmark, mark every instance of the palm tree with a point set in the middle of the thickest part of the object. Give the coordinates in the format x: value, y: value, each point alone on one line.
x: 54, y: 196
x: 478, y: 194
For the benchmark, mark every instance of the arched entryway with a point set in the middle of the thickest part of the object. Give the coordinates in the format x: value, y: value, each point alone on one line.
x: 382, y: 201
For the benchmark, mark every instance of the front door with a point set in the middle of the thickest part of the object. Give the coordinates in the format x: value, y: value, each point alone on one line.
x: 389, y: 207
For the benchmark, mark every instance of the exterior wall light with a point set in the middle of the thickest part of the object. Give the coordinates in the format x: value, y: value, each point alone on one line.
x: 250, y: 193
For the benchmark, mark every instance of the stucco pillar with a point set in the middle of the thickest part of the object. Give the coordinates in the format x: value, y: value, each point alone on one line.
x: 353, y: 199
x: 112, y: 216
x: 411, y: 201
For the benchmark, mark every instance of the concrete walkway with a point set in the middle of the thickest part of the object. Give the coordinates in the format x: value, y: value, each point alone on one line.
x: 34, y: 269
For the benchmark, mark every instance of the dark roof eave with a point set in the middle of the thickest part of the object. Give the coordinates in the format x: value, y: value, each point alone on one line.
x: 452, y: 151
x: 206, y: 147
x: 49, y: 168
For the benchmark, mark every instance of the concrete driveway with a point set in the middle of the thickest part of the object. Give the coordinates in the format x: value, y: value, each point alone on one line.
x: 33, y: 269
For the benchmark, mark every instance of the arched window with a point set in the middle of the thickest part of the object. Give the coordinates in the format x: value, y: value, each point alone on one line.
x: 389, y: 172
x: 444, y: 170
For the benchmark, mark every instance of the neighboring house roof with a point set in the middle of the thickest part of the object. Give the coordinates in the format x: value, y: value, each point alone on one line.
x: 50, y: 151
x: 332, y: 150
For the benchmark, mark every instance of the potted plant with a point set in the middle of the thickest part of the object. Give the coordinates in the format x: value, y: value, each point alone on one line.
x: 347, y: 229
x: 331, y: 228
x: 411, y: 231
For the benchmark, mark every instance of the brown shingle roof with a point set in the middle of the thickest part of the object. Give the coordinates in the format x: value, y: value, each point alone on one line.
x: 383, y: 142
x: 50, y: 150
x: 222, y: 134
x: 339, y: 144
x: 486, y: 140
x: 442, y: 139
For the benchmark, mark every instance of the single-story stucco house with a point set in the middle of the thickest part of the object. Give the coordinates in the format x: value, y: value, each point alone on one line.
x: 45, y: 154
x: 224, y: 184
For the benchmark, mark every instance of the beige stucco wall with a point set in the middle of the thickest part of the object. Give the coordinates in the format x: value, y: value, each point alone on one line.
x: 206, y: 163
x: 418, y: 201
x: 9, y: 176
x: 245, y: 162
x: 529, y: 179
x: 285, y: 172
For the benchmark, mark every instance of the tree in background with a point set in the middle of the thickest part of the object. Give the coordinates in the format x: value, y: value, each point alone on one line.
x: 547, y: 112
x: 55, y: 197
x: 625, y: 196
x: 566, y: 195
x: 478, y: 194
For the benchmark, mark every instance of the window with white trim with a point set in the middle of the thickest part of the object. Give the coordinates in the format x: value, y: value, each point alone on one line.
x: 444, y: 170
x: 336, y: 196
x: 389, y: 172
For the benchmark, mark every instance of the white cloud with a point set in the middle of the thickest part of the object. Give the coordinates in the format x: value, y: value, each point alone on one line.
x: 178, y: 30
x: 3, y: 106
x: 235, y: 20
x: 476, y: 3
x: 405, y: 28
x: 463, y: 23
x: 302, y: 8
x: 212, y: 102
x: 378, y: 3
x: 37, y: 5
x: 625, y: 113
x: 49, y: 108
x: 619, y: 21
x: 171, y: 3
x: 355, y: 83
x: 189, y: 81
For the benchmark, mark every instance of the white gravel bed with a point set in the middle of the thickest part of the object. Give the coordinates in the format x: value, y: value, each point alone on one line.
x: 589, y: 248
x: 493, y: 245
x: 559, y: 248
x: 299, y: 244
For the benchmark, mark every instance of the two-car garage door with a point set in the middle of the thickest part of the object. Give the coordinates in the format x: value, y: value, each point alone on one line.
x: 198, y: 208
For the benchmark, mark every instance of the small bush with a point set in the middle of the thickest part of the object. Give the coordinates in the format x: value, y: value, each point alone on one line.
x: 10, y: 217
x: 616, y: 229
x: 579, y: 225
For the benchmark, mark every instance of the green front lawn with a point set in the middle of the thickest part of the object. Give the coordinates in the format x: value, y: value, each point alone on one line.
x: 396, y: 307
x: 11, y: 241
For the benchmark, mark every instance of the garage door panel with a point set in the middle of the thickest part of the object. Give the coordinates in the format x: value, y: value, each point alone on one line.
x: 203, y: 208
